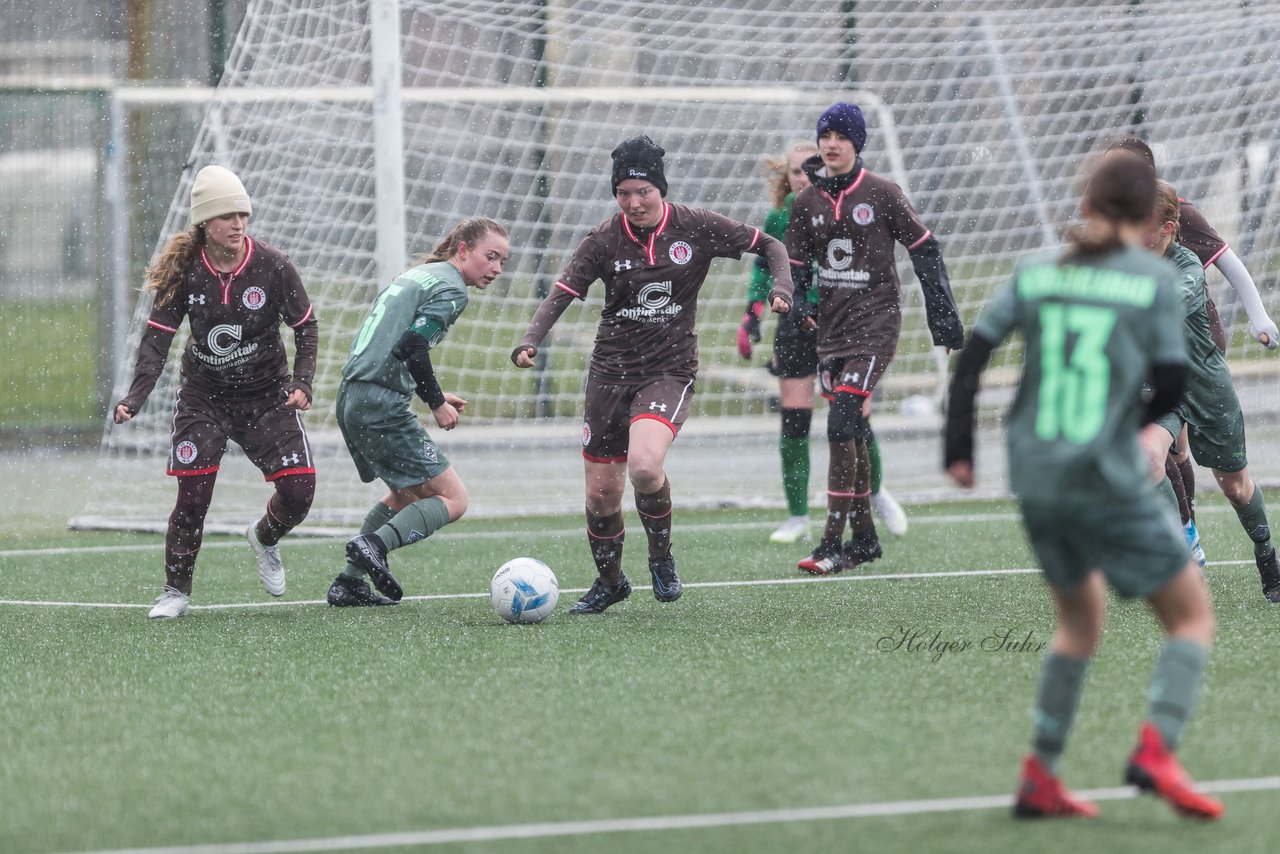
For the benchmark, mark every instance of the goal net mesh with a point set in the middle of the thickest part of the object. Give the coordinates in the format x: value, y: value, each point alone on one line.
x: 985, y: 113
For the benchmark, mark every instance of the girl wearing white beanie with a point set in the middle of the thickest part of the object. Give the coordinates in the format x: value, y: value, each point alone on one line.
x: 235, y: 292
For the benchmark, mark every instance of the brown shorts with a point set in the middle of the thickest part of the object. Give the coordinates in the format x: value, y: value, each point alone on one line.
x: 611, y: 408
x: 853, y: 374
x: 271, y: 435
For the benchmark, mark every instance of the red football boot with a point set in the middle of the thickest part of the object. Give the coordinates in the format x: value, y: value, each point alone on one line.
x: 1153, y: 768
x: 1042, y: 795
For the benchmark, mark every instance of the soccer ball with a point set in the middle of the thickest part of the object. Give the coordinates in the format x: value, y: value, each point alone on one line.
x: 524, y: 590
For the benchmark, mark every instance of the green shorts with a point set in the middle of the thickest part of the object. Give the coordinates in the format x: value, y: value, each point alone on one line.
x: 1217, y: 446
x: 1138, y: 545
x: 384, y: 437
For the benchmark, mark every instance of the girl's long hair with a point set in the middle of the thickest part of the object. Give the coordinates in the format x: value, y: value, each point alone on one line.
x: 469, y: 231
x: 165, y: 274
x: 1121, y: 190
x: 776, y: 167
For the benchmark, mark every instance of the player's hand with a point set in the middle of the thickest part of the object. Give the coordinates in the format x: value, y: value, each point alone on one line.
x: 122, y: 414
x: 749, y: 329
x: 780, y: 305
x: 297, y: 399
x: 456, y: 402
x: 522, y: 355
x: 961, y: 472
x: 1268, y: 336
x: 446, y: 415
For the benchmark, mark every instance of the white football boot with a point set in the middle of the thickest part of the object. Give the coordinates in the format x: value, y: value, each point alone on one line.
x: 794, y: 530
x: 270, y: 567
x: 890, y: 512
x: 169, y: 605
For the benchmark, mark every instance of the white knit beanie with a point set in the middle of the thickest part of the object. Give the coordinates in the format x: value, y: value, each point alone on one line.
x: 217, y: 192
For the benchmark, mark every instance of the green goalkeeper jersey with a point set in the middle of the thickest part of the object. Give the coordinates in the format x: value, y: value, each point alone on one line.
x: 425, y: 300
x: 1093, y: 328
x: 1210, y: 398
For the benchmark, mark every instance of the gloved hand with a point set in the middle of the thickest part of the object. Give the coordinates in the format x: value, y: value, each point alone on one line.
x: 1266, y: 335
x: 749, y: 330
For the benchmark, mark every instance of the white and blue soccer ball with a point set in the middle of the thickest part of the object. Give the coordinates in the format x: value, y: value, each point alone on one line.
x: 524, y: 590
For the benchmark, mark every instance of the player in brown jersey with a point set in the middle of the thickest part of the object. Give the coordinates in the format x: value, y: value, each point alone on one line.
x: 847, y: 222
x: 653, y: 257
x: 234, y: 292
x: 1196, y: 234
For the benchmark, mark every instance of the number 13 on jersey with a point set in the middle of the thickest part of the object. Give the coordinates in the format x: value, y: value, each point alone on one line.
x: 1073, y: 388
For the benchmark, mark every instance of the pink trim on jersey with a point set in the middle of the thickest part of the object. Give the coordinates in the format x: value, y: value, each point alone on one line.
x: 568, y: 290
x: 860, y: 392
x: 310, y: 310
x: 226, y: 283
x: 645, y: 415
x: 161, y: 327
x: 591, y: 459
x: 755, y: 238
x: 838, y: 201
x: 650, y: 249
x: 927, y: 235
x: 191, y: 472
x: 1216, y: 256
x: 286, y: 472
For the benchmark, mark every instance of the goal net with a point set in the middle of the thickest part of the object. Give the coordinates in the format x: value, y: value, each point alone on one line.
x: 984, y: 112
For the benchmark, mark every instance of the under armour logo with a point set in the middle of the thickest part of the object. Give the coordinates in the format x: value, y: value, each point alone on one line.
x: 193, y: 299
x: 818, y: 220
x: 654, y: 406
x: 291, y: 459
x: 619, y: 266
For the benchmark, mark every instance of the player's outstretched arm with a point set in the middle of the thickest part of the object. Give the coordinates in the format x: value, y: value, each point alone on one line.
x: 1261, y: 326
x: 544, y: 318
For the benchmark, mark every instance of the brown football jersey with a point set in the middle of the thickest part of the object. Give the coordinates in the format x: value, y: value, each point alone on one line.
x: 652, y: 279
x: 235, y: 345
x: 851, y: 237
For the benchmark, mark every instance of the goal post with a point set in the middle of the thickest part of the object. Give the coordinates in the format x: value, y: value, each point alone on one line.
x: 984, y: 112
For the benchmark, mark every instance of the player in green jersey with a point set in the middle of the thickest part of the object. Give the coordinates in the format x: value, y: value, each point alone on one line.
x: 1099, y: 321
x: 390, y: 360
x: 1210, y: 410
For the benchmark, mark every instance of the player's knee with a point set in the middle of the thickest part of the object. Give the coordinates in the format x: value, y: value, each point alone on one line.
x: 796, y: 423
x: 456, y: 503
x: 845, y: 422
x: 646, y: 473
x: 296, y: 493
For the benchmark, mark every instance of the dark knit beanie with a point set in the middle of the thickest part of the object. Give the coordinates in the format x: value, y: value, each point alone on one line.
x: 844, y: 119
x: 639, y: 157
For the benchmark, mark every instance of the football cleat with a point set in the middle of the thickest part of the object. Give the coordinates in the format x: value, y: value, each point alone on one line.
x: 601, y: 596
x: 270, y: 567
x: 1042, y: 795
x: 863, y: 548
x: 794, y: 530
x: 666, y: 582
x: 825, y: 559
x: 1153, y: 768
x: 346, y: 592
x: 170, y: 604
x: 890, y: 512
x: 1269, y: 570
x: 1193, y: 542
x: 368, y: 553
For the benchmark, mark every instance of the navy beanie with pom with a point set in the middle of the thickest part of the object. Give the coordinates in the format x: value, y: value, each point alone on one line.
x: 844, y: 119
x: 639, y: 157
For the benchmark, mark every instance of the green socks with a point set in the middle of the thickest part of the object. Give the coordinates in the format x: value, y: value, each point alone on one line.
x: 1253, y: 518
x: 416, y: 522
x: 795, y: 474
x: 1059, y: 694
x: 1174, y: 686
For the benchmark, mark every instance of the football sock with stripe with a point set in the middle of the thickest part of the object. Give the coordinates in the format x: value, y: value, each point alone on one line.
x: 793, y: 448
x: 415, y: 522
x: 1174, y: 687
x: 1061, y: 679
x: 379, y: 515
x: 605, y: 535
x: 655, y: 516
x: 1253, y: 518
x: 840, y: 468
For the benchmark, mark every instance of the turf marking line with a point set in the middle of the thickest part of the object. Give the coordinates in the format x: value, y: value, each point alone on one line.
x: 669, y: 822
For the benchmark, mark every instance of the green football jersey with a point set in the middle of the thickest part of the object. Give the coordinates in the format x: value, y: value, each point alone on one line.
x: 426, y: 300
x: 1092, y: 328
x: 1210, y: 398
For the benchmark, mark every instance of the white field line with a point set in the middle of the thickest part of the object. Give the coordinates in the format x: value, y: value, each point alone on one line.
x: 660, y: 823
x: 751, y: 582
